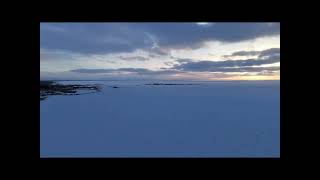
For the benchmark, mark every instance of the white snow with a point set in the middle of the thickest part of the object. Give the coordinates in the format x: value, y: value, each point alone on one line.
x: 208, y: 119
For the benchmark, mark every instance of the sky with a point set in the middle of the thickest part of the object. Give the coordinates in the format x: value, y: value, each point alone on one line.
x: 161, y: 51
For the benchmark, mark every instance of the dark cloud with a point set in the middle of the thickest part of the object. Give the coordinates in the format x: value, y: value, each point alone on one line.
x: 159, y: 51
x: 137, y: 58
x: 99, y: 38
x: 94, y: 71
x: 168, y: 63
x: 184, y: 60
x: 224, y: 66
x: 94, y: 38
x: 152, y: 56
x: 249, y: 69
x: 246, y: 53
x: 264, y: 53
x: 206, y: 68
x: 192, y: 35
x: 270, y: 52
x: 269, y: 56
x: 142, y: 71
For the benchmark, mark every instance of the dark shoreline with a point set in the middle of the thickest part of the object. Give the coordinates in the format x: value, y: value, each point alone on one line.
x: 49, y: 88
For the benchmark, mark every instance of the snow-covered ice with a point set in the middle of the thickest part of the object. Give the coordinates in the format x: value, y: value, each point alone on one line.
x: 207, y: 119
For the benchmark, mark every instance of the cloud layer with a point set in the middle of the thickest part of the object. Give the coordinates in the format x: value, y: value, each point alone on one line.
x: 126, y: 37
x: 159, y: 50
x: 269, y: 56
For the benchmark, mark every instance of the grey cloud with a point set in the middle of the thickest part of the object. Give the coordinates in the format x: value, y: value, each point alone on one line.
x: 233, y: 69
x: 270, y: 52
x: 246, y: 53
x: 157, y: 51
x: 168, y: 64
x: 267, y: 52
x: 189, y: 65
x: 54, y: 55
x: 100, y: 38
x: 137, y: 58
x: 152, y: 55
x: 94, y: 71
x: 92, y: 38
x: 225, y: 66
x: 184, y: 60
x: 207, y: 65
x: 250, y: 69
x: 142, y: 71
x: 268, y: 73
x: 191, y: 35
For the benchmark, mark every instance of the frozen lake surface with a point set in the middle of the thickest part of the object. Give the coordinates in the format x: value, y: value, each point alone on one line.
x: 206, y: 119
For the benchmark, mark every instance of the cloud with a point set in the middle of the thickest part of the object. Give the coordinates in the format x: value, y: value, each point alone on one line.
x: 134, y: 58
x: 123, y: 73
x: 233, y: 69
x: 97, y: 71
x: 168, y: 63
x: 184, y: 60
x: 224, y: 66
x: 99, y: 38
x: 264, y: 53
x: 191, y: 35
x: 92, y: 38
x: 270, y: 52
x: 125, y: 70
x: 159, y: 51
x: 246, y: 53
x: 151, y: 73
x: 106, y: 49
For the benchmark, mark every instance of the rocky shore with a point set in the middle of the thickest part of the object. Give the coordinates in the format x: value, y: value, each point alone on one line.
x: 48, y: 88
